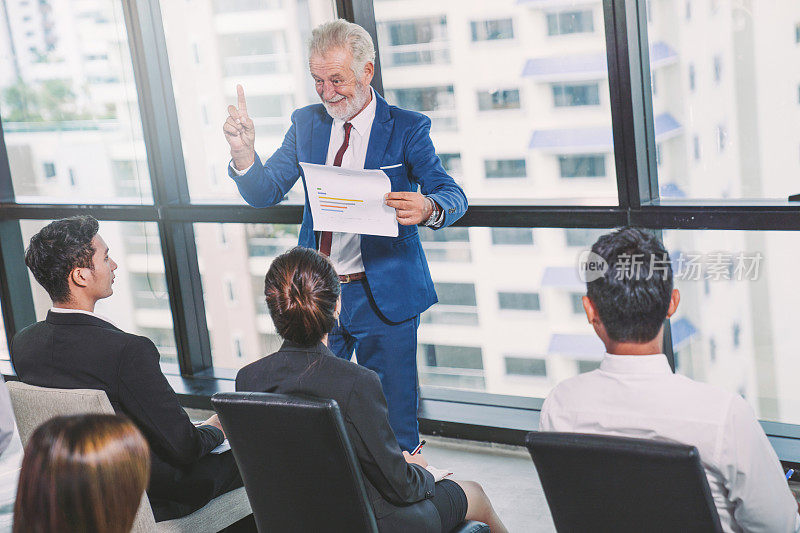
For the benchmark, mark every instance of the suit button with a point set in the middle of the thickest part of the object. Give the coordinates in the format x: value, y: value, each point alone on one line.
x: 451, y: 210
x: 428, y: 494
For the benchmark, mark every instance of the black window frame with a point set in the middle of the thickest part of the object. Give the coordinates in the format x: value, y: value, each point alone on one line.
x: 461, y: 414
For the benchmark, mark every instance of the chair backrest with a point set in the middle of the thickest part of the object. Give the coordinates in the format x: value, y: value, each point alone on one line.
x: 602, y: 483
x: 298, y: 466
x: 34, y: 406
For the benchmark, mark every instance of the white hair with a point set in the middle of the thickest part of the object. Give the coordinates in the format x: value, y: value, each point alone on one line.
x: 342, y: 34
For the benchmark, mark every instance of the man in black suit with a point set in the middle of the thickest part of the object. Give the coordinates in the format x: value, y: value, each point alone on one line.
x: 73, y: 348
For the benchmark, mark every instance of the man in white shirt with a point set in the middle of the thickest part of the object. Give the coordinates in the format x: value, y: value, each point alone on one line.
x: 634, y: 393
x: 386, y: 281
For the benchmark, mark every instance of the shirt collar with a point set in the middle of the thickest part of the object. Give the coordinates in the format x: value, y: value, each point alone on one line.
x: 65, y: 310
x: 362, y: 122
x: 635, y: 364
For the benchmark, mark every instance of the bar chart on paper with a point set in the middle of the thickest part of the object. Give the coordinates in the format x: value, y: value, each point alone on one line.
x: 349, y: 201
x: 336, y: 205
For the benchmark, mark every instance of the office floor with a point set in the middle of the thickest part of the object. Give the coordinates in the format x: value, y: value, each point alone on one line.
x: 506, y: 473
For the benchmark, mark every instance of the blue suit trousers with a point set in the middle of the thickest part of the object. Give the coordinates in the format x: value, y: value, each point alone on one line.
x: 388, y: 348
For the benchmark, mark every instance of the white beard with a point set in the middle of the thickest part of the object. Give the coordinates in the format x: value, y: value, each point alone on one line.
x: 354, y: 104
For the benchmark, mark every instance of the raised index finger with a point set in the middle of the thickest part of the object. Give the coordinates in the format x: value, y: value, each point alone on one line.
x: 242, y: 101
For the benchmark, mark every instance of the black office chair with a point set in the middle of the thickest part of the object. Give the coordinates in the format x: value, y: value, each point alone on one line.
x: 298, y: 466
x: 596, y: 483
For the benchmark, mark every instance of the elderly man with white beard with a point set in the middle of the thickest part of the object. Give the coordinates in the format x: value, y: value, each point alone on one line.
x: 386, y: 283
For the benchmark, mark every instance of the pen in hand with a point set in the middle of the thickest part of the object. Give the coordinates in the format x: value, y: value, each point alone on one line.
x: 789, y: 474
x: 419, y: 447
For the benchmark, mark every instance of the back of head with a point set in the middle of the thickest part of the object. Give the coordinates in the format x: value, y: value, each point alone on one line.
x: 632, y: 297
x: 302, y: 290
x: 82, y: 473
x: 57, y: 249
x: 340, y: 33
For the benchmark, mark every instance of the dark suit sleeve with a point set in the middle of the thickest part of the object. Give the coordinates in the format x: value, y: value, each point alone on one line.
x: 267, y: 184
x: 427, y: 170
x: 376, y: 446
x: 148, y: 399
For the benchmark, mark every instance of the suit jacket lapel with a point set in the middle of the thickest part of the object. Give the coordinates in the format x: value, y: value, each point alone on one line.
x: 320, y: 137
x: 379, y: 134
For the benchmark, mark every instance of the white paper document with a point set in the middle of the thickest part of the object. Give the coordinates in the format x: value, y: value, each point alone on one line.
x: 349, y: 201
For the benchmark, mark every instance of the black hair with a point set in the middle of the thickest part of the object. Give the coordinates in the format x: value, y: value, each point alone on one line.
x: 302, y: 289
x: 57, y: 249
x: 633, y: 296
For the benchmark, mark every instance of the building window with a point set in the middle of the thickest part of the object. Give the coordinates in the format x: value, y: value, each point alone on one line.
x: 457, y: 305
x: 798, y: 94
x: 492, y: 30
x: 659, y: 154
x: 230, y: 291
x: 797, y: 33
x: 712, y: 349
x: 504, y: 168
x: 49, y: 170
x: 696, y: 147
x: 737, y: 331
x: 438, y: 103
x: 237, y: 348
x: 587, y: 366
x: 512, y: 236
x: 253, y: 53
x: 567, y: 22
x: 451, y: 163
x: 717, y: 68
x: 420, y: 41
x: 583, y: 237
x: 196, y: 53
x: 575, y: 94
x: 688, y: 9
x: 576, y: 302
x: 691, y: 77
x: 438, y: 355
x: 500, y: 99
x: 582, y: 166
x: 722, y: 137
x: 456, y: 293
x: 519, y: 301
x: 525, y: 366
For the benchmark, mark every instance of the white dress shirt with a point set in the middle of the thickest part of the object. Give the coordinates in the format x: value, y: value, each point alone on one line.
x: 639, y: 396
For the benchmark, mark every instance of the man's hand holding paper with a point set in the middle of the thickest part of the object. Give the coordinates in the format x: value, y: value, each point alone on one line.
x: 349, y: 201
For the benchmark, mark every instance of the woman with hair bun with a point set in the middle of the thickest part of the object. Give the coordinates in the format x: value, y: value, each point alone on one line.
x: 83, y: 473
x: 302, y: 292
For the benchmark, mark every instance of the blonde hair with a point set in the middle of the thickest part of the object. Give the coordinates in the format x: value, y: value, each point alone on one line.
x: 342, y: 34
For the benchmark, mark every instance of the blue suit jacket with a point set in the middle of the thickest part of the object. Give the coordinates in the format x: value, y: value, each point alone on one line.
x: 396, y: 268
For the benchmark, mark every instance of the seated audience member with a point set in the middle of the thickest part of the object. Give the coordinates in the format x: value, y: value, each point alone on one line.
x: 84, y: 473
x: 73, y: 348
x: 10, y: 459
x: 302, y: 292
x: 634, y: 393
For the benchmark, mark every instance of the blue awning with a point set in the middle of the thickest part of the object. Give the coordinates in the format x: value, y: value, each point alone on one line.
x: 662, y: 54
x: 682, y: 330
x: 588, y: 66
x: 585, y: 347
x: 562, y: 278
x: 666, y: 127
x: 670, y: 190
x: 598, y: 139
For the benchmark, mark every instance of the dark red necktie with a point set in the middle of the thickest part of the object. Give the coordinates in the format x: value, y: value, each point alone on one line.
x: 326, y: 237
